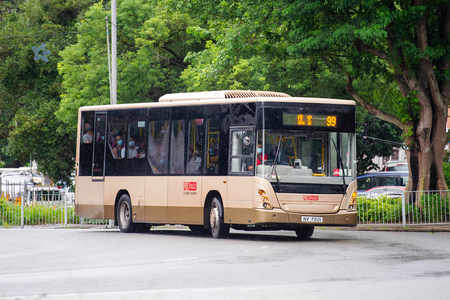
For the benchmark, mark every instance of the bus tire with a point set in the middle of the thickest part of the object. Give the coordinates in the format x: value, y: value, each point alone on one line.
x: 124, y: 214
x: 304, y: 232
x: 219, y: 229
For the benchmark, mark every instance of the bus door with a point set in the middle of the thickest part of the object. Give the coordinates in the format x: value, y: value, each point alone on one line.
x: 241, y: 167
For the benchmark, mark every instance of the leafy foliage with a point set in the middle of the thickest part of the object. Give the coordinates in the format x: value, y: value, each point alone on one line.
x: 246, y: 48
x: 368, y: 149
x: 432, y: 208
x: 151, y: 47
x: 385, y: 42
x: 29, y: 89
x: 41, y: 213
x: 380, y: 210
x: 367, y: 50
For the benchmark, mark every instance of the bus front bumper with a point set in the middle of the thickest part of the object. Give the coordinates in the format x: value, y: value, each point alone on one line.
x: 278, y: 216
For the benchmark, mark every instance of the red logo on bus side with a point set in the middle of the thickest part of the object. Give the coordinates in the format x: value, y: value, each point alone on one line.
x: 189, y: 186
x: 311, y: 197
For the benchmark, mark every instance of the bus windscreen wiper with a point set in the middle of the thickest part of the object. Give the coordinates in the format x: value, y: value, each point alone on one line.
x: 342, y: 166
x: 274, y: 168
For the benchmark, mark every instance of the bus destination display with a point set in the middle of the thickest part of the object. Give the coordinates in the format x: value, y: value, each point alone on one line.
x: 309, y: 120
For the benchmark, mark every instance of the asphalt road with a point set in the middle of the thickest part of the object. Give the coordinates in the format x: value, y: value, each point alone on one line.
x: 43, y: 263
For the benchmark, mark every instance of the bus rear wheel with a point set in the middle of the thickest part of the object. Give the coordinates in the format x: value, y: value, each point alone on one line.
x: 218, y: 227
x: 304, y: 232
x: 124, y: 214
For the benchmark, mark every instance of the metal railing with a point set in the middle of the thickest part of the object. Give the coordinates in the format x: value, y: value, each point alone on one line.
x: 404, y: 208
x: 22, y: 204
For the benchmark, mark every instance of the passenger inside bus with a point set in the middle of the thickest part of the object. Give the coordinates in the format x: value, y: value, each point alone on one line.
x: 117, y: 150
x: 141, y: 153
x: 87, y: 137
x: 132, y: 149
x: 194, y: 165
x: 158, y: 147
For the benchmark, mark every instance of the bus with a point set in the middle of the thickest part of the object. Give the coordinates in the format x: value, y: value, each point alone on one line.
x: 247, y: 160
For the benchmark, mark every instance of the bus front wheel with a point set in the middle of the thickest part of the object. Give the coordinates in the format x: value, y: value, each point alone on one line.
x: 304, y: 232
x: 218, y: 228
x: 124, y: 214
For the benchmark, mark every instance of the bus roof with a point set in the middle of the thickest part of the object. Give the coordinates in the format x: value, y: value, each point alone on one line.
x: 221, y: 97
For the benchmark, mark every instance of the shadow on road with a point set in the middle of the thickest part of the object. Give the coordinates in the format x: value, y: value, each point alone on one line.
x: 267, y: 236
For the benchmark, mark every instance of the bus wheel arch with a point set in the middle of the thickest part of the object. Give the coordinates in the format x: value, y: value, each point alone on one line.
x: 214, y: 215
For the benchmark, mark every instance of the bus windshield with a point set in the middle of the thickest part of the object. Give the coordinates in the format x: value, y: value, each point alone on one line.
x: 312, y: 157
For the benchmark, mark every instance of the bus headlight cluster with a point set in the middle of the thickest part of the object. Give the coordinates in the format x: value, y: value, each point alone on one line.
x: 352, y: 202
x: 264, y: 199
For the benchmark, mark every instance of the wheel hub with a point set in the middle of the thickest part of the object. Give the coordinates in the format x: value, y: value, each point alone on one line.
x: 214, y: 217
x: 124, y: 214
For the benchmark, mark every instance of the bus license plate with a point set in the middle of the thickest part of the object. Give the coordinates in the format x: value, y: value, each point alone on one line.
x: 312, y: 219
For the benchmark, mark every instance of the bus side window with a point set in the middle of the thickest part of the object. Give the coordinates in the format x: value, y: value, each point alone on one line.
x: 117, y: 138
x: 136, y: 140
x: 158, y: 146
x: 196, y: 138
x: 177, y: 147
x: 86, y: 146
x: 212, y: 146
x: 135, y: 148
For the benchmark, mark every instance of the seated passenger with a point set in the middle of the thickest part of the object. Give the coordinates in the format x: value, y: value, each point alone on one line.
x: 141, y: 153
x: 87, y: 137
x: 117, y: 150
x: 132, y: 149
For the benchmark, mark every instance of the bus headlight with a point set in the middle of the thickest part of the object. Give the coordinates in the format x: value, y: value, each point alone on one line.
x: 352, y: 202
x: 264, y: 199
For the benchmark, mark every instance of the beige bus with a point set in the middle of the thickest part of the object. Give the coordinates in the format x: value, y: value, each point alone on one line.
x: 246, y: 160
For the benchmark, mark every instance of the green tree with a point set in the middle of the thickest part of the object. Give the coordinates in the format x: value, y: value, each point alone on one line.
x: 390, y: 56
x: 369, y: 149
x: 246, y: 48
x: 406, y: 42
x: 29, y: 88
x: 152, y: 44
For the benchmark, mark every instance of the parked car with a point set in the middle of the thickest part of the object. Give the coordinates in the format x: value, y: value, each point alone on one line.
x: 16, y: 176
x: 395, y: 166
x: 376, y: 179
x: 388, y: 191
x: 14, y: 183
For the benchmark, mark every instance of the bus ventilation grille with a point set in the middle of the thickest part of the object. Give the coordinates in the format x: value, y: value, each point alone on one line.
x: 252, y: 94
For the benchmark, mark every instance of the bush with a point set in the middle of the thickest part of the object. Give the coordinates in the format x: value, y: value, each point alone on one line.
x: 43, y: 213
x: 433, y: 208
x: 379, y: 210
